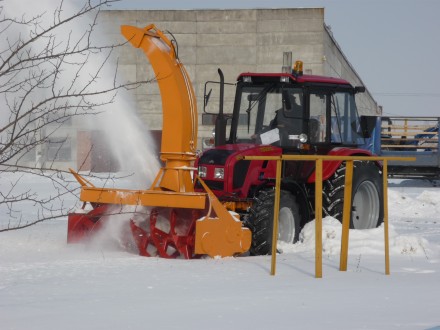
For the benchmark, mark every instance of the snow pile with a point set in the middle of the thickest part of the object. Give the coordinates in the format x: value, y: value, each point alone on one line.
x: 427, y: 203
x: 361, y: 242
x: 43, y: 279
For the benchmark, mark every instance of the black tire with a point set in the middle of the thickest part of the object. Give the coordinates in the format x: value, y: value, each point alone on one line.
x: 367, y: 195
x: 261, y: 221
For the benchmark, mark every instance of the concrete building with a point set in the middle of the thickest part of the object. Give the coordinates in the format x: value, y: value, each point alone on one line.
x: 251, y: 40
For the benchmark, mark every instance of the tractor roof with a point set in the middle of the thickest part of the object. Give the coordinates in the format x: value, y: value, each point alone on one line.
x: 261, y: 77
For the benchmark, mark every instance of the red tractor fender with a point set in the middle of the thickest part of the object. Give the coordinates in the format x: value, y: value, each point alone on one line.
x: 329, y: 167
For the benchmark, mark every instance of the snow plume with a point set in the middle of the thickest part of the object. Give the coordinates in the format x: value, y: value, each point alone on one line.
x: 86, y: 72
x: 130, y: 141
x: 115, y: 233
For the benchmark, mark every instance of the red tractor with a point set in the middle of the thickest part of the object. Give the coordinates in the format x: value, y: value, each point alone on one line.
x: 291, y: 113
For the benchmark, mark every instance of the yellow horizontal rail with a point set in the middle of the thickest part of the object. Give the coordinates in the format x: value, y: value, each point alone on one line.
x: 318, y: 203
x: 329, y: 158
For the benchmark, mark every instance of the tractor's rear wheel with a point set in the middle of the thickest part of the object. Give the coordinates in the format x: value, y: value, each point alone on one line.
x: 261, y: 221
x: 367, y: 195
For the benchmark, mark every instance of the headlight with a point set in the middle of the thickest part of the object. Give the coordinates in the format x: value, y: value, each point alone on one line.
x: 303, y: 138
x: 219, y: 173
x: 202, y: 171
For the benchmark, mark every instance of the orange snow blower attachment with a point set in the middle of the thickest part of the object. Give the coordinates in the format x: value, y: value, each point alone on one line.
x: 175, y: 221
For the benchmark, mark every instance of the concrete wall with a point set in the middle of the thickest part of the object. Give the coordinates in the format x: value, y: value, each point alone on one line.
x: 336, y: 64
x: 234, y: 40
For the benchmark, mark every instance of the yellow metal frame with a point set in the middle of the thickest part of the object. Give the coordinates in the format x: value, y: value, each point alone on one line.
x: 90, y: 193
x: 318, y: 159
x: 220, y: 235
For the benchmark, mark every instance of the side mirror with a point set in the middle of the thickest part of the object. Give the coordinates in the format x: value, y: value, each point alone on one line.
x: 368, y: 123
x: 359, y: 89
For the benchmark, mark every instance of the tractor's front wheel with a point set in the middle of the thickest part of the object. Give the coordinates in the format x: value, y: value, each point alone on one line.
x: 261, y: 221
x: 367, y: 195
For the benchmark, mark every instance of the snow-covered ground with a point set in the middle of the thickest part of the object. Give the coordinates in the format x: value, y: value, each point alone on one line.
x: 47, y: 284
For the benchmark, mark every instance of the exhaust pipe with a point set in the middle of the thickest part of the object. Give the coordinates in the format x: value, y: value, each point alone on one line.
x: 220, y: 121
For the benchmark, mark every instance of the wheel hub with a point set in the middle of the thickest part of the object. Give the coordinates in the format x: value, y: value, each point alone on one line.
x: 366, y: 206
x: 286, y: 225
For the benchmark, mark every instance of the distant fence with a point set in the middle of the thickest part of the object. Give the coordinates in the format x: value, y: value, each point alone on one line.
x: 409, y: 133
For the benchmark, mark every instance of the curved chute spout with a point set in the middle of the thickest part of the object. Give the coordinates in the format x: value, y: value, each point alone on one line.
x: 198, y: 223
x: 179, y: 131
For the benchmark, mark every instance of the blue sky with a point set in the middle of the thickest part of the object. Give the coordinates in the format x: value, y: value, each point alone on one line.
x: 394, y: 45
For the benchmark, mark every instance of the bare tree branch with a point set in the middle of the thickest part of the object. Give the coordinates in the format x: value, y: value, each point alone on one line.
x: 50, y: 74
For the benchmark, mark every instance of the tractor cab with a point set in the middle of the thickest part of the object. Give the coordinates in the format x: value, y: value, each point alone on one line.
x: 274, y: 114
x: 295, y: 111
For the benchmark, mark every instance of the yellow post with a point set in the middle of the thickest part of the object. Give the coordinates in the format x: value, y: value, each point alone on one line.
x: 318, y: 218
x: 346, y: 215
x: 385, y: 216
x: 318, y: 201
x: 276, y: 211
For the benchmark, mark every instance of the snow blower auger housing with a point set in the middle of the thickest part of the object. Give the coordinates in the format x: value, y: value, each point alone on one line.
x: 197, y: 223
